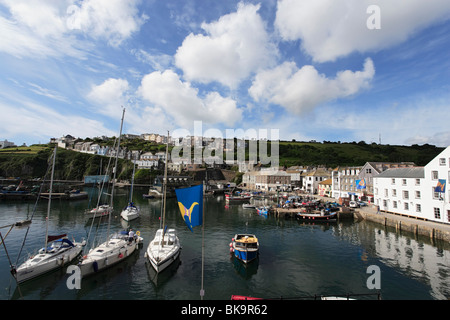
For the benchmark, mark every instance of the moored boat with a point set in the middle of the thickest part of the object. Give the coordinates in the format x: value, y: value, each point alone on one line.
x: 131, y: 212
x: 164, y: 249
x: 59, y: 253
x: 245, y: 247
x: 262, y: 211
x: 100, y: 211
x: 317, y: 216
x: 241, y: 197
x: 120, y: 246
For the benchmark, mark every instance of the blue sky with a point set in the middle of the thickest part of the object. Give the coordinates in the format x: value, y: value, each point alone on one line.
x: 312, y: 70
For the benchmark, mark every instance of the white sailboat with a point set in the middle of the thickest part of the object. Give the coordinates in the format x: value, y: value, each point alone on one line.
x: 131, y: 212
x: 101, y: 210
x: 57, y: 252
x: 165, y: 247
x: 117, y: 247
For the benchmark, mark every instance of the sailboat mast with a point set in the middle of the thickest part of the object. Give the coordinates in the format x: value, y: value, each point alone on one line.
x: 132, y: 181
x: 165, y: 185
x: 50, y: 199
x: 114, y: 171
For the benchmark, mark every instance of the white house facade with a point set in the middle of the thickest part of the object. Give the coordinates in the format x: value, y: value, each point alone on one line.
x: 419, y: 192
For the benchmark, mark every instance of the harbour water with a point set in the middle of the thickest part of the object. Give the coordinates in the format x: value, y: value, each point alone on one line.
x: 296, y: 260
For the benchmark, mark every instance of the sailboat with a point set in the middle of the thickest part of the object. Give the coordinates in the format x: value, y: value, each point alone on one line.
x: 165, y: 248
x: 118, y: 246
x: 101, y: 210
x: 57, y: 252
x: 131, y: 212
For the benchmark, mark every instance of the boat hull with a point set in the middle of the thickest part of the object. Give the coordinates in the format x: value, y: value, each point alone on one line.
x: 99, y: 212
x: 317, y: 217
x: 246, y: 256
x: 107, y: 254
x: 43, y: 263
x: 245, y: 247
x: 130, y: 213
x: 160, y: 257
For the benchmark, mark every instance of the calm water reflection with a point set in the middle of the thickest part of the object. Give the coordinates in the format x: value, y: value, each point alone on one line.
x: 296, y: 260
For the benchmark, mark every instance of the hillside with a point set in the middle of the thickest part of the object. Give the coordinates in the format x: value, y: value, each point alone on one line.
x: 352, y: 154
x: 31, y: 162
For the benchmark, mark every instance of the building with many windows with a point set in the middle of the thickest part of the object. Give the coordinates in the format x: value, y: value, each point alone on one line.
x: 419, y: 192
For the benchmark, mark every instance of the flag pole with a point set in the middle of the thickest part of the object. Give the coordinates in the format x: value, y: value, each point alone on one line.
x: 202, y: 291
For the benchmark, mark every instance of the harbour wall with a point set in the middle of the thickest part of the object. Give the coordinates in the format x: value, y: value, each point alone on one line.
x: 433, y: 230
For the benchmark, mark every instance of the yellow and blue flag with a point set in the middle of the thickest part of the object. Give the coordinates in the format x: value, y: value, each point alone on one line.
x: 361, y: 184
x: 440, y: 186
x: 190, y: 202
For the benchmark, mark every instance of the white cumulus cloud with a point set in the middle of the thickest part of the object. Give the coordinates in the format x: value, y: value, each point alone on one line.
x: 55, y: 28
x: 330, y: 29
x: 301, y: 90
x: 114, y: 20
x: 231, y: 49
x: 110, y: 96
x: 182, y: 102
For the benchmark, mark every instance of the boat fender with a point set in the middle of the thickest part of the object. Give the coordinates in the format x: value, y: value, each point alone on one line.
x: 120, y: 255
x: 95, y: 266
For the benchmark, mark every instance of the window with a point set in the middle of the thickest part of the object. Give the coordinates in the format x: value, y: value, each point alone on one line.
x: 437, y: 213
x: 442, y: 161
x: 418, y: 208
x: 417, y: 182
x: 434, y: 175
x: 394, y: 192
x: 417, y: 194
x: 404, y: 182
x: 392, y: 181
x: 436, y: 195
x: 386, y: 193
x: 394, y: 204
x: 406, y: 205
x: 405, y: 194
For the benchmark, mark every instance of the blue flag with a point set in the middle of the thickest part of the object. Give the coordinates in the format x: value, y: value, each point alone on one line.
x: 440, y: 186
x: 190, y: 202
x: 361, y: 184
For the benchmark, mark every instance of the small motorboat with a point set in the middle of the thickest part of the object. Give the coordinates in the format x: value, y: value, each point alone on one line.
x: 245, y: 247
x: 316, y: 217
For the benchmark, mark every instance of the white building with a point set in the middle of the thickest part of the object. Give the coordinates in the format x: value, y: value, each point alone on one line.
x: 312, y: 179
x: 5, y: 143
x: 412, y: 191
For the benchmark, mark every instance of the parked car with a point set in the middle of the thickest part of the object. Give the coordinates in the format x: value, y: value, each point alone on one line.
x: 353, y: 204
